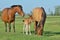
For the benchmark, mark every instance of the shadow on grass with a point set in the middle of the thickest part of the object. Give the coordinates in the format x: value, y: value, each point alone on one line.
x: 32, y: 32
x: 49, y: 33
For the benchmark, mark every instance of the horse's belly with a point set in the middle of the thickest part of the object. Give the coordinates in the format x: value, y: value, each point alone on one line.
x: 6, y: 19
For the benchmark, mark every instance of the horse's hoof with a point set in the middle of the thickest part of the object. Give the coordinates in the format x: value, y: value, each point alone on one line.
x: 26, y: 33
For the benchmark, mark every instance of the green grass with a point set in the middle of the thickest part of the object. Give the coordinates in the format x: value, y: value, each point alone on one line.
x: 51, y: 30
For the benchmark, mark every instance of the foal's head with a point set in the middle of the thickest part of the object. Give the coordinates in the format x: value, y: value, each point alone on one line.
x: 30, y: 18
x: 18, y: 9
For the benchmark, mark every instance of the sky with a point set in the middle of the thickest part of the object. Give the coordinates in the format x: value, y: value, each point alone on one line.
x: 29, y: 5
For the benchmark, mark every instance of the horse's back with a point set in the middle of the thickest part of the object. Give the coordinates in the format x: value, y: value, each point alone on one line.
x: 37, y: 14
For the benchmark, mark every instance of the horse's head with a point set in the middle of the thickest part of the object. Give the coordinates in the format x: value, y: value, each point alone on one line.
x: 18, y: 9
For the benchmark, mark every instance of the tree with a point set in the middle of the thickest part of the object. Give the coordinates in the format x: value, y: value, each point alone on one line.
x: 57, y: 10
x: 51, y: 12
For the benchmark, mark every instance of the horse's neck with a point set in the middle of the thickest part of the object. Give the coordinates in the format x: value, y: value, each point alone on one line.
x: 13, y: 11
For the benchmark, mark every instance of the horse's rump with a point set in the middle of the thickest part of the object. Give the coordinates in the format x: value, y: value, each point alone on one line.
x: 37, y: 14
x: 5, y: 14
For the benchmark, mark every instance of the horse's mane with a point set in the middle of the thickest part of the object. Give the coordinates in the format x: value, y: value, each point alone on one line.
x: 16, y: 6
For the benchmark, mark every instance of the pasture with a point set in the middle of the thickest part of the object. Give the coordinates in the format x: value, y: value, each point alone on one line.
x: 51, y: 30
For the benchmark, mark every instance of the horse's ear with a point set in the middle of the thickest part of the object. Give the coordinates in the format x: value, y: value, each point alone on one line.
x: 30, y: 15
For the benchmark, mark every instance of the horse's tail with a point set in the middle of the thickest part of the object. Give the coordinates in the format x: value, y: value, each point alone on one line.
x: 44, y: 13
x: 44, y: 16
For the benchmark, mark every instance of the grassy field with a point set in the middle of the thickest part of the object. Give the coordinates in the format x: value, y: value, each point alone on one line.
x: 51, y: 30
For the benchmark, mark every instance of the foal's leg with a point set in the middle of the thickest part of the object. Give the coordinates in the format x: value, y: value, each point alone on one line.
x: 14, y: 26
x: 5, y: 27
x: 29, y: 30
x: 26, y: 29
x: 9, y: 24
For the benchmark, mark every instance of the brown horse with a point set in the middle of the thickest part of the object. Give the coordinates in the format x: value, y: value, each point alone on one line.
x: 39, y: 17
x: 8, y: 16
x: 27, y: 22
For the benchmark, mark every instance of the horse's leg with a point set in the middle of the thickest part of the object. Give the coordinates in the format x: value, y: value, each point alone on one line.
x: 13, y: 25
x: 35, y: 26
x: 9, y: 24
x: 40, y: 30
x: 26, y: 29
x: 5, y: 27
x: 41, y: 26
x: 29, y: 30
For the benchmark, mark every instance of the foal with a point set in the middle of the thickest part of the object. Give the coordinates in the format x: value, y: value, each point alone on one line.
x: 26, y: 27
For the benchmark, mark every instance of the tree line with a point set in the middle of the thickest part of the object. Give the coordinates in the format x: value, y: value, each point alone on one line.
x: 51, y: 13
x: 56, y: 12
